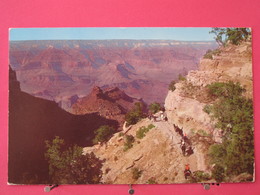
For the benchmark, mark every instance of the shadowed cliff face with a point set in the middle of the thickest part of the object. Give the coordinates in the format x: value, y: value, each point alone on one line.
x: 32, y: 121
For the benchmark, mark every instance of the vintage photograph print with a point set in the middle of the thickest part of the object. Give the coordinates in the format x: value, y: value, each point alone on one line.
x: 130, y: 106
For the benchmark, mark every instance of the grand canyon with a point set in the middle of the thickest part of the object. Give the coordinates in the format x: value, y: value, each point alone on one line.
x: 130, y: 112
x: 64, y: 71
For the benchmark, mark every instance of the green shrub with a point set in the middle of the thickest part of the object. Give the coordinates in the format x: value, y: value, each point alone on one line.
x: 129, y: 140
x: 234, y: 115
x: 234, y: 35
x: 181, y: 78
x: 207, y: 108
x: 218, y: 173
x: 152, y: 181
x: 68, y: 165
x: 200, y: 176
x: 150, y: 126
x: 201, y: 132
x: 103, y: 134
x: 143, y: 130
x: 172, y: 86
x: 227, y: 90
x: 154, y: 107
x: 136, y: 114
x: 210, y: 53
x: 136, y: 173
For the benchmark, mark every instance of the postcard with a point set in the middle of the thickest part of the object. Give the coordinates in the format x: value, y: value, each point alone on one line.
x: 130, y: 106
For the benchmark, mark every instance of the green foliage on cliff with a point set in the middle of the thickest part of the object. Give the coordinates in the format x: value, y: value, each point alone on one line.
x: 210, y: 53
x: 143, y: 130
x: 154, y: 107
x: 234, y: 115
x: 181, y: 78
x: 172, y: 86
x: 233, y: 35
x: 200, y: 176
x: 218, y: 173
x: 129, y: 140
x: 136, y: 114
x: 103, y: 134
x: 67, y: 165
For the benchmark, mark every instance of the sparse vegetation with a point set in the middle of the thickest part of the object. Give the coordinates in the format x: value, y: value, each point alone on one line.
x: 165, y: 178
x: 136, y: 114
x: 200, y: 176
x: 151, y: 181
x: 201, y: 132
x: 181, y: 77
x: 143, y: 130
x: 107, y: 170
x: 172, y: 86
x: 103, y: 134
x: 233, y: 35
x: 129, y: 140
x: 207, y: 109
x: 226, y: 90
x: 136, y: 173
x: 234, y: 115
x: 67, y: 165
x: 154, y: 107
x: 218, y: 173
x: 210, y: 53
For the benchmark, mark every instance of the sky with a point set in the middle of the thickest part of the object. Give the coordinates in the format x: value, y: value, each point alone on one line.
x: 180, y: 34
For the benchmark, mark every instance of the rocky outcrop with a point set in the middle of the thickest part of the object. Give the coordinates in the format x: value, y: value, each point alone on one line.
x: 185, y: 104
x: 111, y: 103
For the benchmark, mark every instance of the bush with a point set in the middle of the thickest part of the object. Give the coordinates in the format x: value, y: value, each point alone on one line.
x: 136, y: 173
x: 129, y: 140
x: 218, y: 173
x: 234, y: 115
x: 210, y: 53
x: 69, y: 166
x: 207, y: 108
x: 103, y: 134
x: 234, y: 35
x: 150, y: 126
x: 172, y: 86
x: 136, y: 114
x: 154, y: 107
x: 143, y: 130
x: 200, y: 176
x: 181, y: 78
x: 227, y: 90
x: 152, y: 181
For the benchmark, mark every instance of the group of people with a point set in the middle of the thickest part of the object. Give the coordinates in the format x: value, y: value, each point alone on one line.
x: 185, y: 143
x: 160, y: 116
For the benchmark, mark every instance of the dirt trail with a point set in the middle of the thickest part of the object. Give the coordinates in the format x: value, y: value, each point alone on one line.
x: 195, y: 160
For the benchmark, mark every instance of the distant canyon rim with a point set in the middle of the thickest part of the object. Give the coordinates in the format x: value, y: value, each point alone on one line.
x: 67, y: 70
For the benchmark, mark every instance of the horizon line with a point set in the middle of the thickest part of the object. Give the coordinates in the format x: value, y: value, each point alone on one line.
x: 114, y: 40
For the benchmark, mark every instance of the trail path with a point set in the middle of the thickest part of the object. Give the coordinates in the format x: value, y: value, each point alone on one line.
x: 195, y: 160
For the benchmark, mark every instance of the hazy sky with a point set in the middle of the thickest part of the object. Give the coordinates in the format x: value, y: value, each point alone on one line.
x: 184, y: 34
